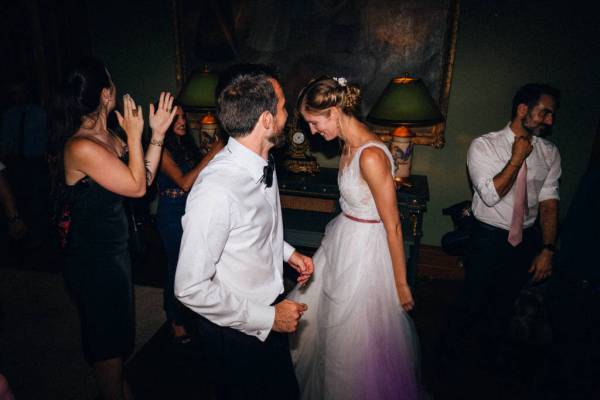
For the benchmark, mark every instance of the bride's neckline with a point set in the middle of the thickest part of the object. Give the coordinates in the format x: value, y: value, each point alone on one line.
x: 347, y: 164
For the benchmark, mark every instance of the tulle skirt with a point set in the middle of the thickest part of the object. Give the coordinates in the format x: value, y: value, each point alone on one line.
x: 355, y: 341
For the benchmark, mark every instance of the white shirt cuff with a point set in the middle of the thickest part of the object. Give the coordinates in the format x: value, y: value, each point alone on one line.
x: 548, y: 196
x: 260, y: 321
x: 489, y: 194
x: 288, y: 250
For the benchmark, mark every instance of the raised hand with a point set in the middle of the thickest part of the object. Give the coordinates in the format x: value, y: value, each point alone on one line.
x: 161, y: 118
x: 216, y: 146
x: 521, y: 149
x: 287, y: 314
x: 132, y: 119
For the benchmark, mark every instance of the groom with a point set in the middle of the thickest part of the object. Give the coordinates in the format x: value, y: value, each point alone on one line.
x: 232, y: 250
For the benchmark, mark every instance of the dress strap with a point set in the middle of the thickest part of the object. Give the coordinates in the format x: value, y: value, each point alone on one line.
x: 382, y: 146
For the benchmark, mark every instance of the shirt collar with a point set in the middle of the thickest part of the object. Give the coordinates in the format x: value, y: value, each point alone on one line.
x: 246, y: 158
x: 510, y: 135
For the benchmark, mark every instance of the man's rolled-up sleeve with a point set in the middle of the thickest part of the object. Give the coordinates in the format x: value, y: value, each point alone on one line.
x: 206, y: 225
x: 550, y: 187
x: 482, y: 170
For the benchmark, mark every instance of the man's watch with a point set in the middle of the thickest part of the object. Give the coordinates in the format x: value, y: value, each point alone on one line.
x: 549, y: 246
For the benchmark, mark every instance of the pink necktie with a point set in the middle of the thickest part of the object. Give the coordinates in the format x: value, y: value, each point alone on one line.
x: 515, y: 235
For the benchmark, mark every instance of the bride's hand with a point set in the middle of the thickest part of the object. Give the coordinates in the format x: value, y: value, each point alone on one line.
x: 303, y: 265
x: 405, y: 297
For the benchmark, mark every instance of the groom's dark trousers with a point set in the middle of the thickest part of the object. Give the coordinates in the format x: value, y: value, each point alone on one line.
x: 245, y: 367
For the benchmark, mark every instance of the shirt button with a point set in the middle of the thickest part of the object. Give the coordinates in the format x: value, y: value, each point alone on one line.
x: 258, y: 333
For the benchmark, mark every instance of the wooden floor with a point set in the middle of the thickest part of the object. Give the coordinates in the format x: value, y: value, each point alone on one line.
x: 163, y: 370
x: 435, y: 264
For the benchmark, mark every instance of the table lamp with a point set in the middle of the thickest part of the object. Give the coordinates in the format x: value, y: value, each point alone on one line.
x: 198, y: 93
x: 404, y: 103
x: 197, y: 98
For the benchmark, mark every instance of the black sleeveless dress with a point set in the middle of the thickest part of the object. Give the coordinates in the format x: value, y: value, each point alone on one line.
x: 98, y: 270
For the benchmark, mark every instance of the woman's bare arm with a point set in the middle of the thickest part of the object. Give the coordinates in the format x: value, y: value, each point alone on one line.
x: 185, y: 181
x: 375, y: 169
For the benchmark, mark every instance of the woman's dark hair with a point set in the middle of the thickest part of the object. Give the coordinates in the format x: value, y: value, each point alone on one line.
x: 78, y: 96
x: 182, y: 148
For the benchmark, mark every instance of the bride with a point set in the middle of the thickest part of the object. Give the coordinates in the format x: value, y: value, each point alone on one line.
x: 356, y: 340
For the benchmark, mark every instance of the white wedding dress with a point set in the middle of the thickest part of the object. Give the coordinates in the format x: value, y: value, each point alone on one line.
x: 355, y: 341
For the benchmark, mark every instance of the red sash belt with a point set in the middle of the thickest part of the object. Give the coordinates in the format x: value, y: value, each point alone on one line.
x: 364, y: 221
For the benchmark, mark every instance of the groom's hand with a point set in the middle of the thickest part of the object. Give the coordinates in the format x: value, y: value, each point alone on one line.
x: 287, y: 314
x: 303, y: 265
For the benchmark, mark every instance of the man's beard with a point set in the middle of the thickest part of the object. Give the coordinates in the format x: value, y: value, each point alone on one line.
x: 540, y: 130
x: 277, y: 140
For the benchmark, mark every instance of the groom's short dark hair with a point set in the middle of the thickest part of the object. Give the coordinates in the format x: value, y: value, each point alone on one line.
x: 243, y: 93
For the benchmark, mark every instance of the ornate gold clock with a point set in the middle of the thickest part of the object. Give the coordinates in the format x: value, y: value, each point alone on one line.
x: 298, y: 159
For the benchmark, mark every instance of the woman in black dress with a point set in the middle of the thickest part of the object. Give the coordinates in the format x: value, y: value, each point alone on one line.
x: 98, y: 170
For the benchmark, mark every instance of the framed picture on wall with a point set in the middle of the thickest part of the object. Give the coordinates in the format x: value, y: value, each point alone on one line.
x: 366, y: 41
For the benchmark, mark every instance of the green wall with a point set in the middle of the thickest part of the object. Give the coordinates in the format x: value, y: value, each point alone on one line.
x: 135, y: 40
x: 501, y: 45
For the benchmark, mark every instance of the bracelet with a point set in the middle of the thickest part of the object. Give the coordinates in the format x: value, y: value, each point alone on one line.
x: 158, y: 143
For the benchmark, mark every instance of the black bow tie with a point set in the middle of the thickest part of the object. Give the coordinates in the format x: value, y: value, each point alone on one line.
x: 267, y: 177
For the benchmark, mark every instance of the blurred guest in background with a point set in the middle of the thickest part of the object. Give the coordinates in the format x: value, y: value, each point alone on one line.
x: 23, y: 139
x: 16, y: 226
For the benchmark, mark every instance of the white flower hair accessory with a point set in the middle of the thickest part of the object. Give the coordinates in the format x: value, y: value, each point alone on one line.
x: 341, y: 81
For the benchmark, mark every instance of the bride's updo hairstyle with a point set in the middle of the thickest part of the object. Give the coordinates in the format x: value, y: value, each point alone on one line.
x: 325, y: 92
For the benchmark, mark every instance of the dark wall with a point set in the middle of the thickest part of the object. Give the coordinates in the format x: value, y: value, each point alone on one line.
x: 501, y: 45
x: 136, y: 41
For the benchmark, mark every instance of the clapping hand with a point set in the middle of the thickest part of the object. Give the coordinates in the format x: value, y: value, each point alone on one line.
x: 161, y: 118
x: 216, y: 146
x: 132, y: 120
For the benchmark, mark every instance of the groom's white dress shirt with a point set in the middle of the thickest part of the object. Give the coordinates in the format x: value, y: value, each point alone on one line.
x: 230, y: 267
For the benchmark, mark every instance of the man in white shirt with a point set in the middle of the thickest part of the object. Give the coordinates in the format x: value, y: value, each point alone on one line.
x: 230, y: 268
x: 497, y: 267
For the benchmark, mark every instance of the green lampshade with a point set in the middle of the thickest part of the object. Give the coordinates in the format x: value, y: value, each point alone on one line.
x: 405, y: 101
x: 198, y: 92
